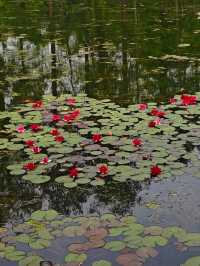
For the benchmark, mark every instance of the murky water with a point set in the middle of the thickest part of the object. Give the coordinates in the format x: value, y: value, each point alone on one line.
x: 129, y: 51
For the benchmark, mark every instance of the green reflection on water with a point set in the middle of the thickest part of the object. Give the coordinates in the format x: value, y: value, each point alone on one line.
x: 106, y: 48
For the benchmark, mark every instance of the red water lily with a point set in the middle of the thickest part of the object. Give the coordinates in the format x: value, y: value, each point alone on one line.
x: 36, y: 149
x: 75, y: 113
x: 21, y: 128
x: 156, y: 112
x: 59, y: 139
x: 172, y: 101
x: 71, y: 101
x: 154, y: 122
x: 188, y: 99
x: 30, y: 166
x: 55, y: 118
x: 37, y: 104
x: 69, y: 118
x: 103, y: 169
x: 45, y: 160
x: 136, y: 142
x: 155, y: 170
x: 142, y: 106
x: 73, y: 171
x: 35, y: 127
x: 54, y: 132
x: 97, y: 137
x: 29, y: 143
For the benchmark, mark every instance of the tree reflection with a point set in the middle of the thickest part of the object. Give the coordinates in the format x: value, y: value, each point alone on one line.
x: 99, y: 47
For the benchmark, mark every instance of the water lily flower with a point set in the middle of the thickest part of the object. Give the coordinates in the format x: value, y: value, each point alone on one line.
x: 188, y: 99
x: 172, y: 101
x: 37, y: 104
x: 36, y: 149
x: 21, y: 128
x: 35, y: 127
x: 55, y: 118
x: 59, y: 138
x: 30, y: 166
x: 155, y: 170
x: 71, y: 101
x: 154, y: 122
x: 29, y: 143
x: 136, y: 142
x: 45, y: 160
x: 110, y: 133
x: 68, y: 118
x: 97, y: 137
x: 54, y: 132
x: 157, y: 112
x: 103, y: 169
x: 75, y: 113
x: 142, y: 106
x: 73, y: 171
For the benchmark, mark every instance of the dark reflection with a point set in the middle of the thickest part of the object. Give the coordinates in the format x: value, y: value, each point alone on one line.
x: 18, y: 204
x: 108, y: 49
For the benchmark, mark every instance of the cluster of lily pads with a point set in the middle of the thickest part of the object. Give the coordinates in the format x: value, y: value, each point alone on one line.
x: 80, y: 140
x: 127, y: 241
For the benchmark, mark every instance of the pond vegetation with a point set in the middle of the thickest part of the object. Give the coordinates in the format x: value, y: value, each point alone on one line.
x: 99, y: 133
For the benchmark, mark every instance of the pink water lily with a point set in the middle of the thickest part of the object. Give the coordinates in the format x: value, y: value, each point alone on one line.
x: 71, y: 101
x: 21, y: 128
x: 154, y: 122
x: 36, y: 149
x: 45, y: 160
x: 142, y: 106
x: 172, y: 101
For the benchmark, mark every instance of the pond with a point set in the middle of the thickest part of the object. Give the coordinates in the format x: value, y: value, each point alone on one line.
x: 73, y: 75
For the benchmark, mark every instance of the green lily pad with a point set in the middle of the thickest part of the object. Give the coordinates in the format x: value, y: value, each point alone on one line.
x: 72, y: 257
x: 115, y: 245
x: 101, y: 263
x: 195, y: 261
x: 30, y: 261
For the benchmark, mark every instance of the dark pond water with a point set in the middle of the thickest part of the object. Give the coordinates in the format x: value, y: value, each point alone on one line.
x: 125, y: 50
x: 129, y: 51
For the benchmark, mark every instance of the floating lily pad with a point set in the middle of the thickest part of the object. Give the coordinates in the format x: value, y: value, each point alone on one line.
x: 101, y: 263
x: 71, y: 257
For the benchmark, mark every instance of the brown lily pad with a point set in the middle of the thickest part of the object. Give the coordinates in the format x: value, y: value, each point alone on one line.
x: 79, y: 248
x: 147, y: 252
x: 71, y: 264
x: 181, y: 247
x: 96, y: 243
x: 97, y: 233
x: 129, y: 259
x: 84, y: 247
x: 153, y: 230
